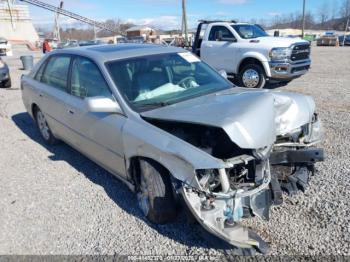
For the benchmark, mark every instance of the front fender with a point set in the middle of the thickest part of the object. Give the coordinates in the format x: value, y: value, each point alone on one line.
x: 142, y: 139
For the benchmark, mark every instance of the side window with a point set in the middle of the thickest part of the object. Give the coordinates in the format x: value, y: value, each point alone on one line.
x: 56, y: 72
x: 217, y: 30
x: 39, y: 73
x: 87, y: 80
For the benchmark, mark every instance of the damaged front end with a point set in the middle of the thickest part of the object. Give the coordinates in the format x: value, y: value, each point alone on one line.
x: 294, y: 156
x: 246, y: 189
x: 258, y: 159
x: 228, y: 195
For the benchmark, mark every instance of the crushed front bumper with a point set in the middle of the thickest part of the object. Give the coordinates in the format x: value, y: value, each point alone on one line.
x: 221, y: 213
x: 230, y: 206
x: 289, y: 70
x: 302, y: 156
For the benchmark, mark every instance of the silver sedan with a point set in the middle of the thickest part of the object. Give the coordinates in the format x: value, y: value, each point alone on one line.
x: 171, y: 127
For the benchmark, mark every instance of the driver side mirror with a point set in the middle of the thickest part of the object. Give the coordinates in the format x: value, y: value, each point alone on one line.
x: 102, y: 105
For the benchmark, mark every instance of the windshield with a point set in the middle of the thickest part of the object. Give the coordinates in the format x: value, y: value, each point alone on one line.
x: 154, y: 81
x: 249, y: 31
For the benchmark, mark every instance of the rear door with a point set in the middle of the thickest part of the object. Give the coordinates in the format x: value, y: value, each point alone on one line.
x: 216, y: 52
x: 52, y: 86
x: 98, y: 135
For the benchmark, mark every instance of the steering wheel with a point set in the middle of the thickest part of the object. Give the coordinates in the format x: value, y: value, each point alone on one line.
x: 186, y: 82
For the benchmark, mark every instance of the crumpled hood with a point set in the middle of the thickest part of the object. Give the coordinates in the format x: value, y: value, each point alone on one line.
x: 251, y: 118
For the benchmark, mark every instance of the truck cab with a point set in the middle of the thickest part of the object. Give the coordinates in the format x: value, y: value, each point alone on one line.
x: 248, y: 53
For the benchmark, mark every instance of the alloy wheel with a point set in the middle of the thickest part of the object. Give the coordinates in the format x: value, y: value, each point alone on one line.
x: 43, y: 127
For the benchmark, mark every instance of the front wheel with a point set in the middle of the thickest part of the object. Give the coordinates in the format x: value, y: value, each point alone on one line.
x: 252, y: 76
x: 155, y: 193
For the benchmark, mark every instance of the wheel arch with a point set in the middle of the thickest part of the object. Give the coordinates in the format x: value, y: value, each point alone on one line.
x: 256, y: 59
x: 134, y: 170
x: 33, y: 109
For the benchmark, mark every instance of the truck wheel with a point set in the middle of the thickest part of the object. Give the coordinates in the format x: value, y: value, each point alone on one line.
x: 44, y: 128
x: 155, y: 194
x: 252, y: 76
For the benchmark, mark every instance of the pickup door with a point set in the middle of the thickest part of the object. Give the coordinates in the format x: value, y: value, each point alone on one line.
x: 218, y: 48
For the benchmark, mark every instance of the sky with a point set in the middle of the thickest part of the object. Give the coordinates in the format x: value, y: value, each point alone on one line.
x: 166, y: 14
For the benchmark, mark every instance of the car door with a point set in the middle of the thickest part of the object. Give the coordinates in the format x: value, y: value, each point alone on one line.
x: 217, y: 51
x: 98, y: 135
x: 52, y: 86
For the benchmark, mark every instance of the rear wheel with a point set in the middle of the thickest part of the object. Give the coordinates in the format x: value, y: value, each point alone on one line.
x: 44, y: 128
x: 155, y: 193
x: 252, y: 76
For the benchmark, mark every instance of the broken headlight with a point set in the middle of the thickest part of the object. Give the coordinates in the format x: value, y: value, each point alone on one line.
x: 316, y: 130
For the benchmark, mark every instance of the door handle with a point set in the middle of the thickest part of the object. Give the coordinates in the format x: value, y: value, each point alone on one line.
x: 71, y: 112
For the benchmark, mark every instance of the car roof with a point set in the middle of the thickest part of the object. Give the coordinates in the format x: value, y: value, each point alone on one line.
x: 108, y: 52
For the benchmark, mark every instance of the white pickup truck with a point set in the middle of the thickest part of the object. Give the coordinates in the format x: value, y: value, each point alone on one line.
x: 249, y: 54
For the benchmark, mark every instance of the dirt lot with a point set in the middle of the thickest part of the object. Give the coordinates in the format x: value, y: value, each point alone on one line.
x: 53, y: 200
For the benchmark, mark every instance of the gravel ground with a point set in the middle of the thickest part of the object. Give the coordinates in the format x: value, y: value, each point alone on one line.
x: 53, y: 200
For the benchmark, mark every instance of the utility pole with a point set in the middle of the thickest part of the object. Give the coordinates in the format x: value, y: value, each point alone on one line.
x: 303, y: 22
x: 10, y: 4
x: 56, y: 30
x: 184, y: 22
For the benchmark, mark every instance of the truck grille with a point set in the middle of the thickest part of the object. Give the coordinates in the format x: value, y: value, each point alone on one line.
x: 300, y: 52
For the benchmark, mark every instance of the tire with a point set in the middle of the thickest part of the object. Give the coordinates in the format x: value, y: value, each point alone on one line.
x: 44, y: 128
x: 252, y: 76
x: 155, y: 193
x: 7, y: 84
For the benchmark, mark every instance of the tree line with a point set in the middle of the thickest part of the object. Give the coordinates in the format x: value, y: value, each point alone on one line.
x: 330, y: 15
